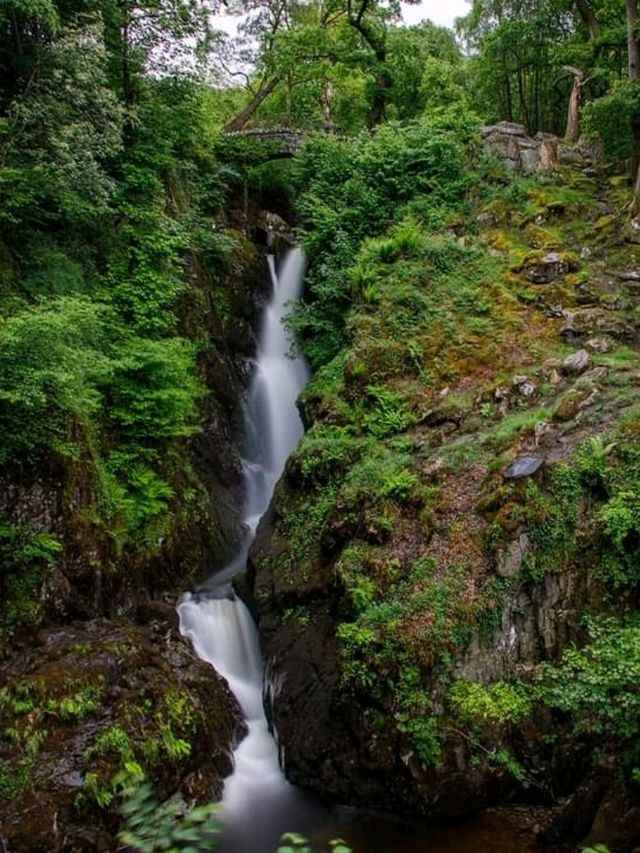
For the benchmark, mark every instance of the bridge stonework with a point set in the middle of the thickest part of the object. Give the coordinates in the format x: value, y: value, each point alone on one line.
x: 286, y: 142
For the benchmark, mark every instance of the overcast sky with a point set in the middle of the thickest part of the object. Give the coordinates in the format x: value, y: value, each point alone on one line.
x: 442, y: 12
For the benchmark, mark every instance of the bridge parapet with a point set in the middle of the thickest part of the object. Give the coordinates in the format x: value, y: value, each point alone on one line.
x: 286, y: 141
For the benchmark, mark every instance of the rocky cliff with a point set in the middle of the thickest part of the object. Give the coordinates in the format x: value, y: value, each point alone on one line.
x: 448, y: 580
x: 94, y: 676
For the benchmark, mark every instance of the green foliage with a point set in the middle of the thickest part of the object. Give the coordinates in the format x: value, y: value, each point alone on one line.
x: 154, y: 392
x: 293, y: 842
x: 24, y: 556
x: 351, y: 192
x: 612, y: 118
x: 596, y: 686
x: 151, y: 826
x: 388, y: 415
x: 53, y: 360
x: 500, y: 703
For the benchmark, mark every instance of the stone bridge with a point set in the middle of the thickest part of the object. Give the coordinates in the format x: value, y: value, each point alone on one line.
x: 279, y: 142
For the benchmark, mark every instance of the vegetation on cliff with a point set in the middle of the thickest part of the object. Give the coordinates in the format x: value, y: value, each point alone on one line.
x: 455, y: 544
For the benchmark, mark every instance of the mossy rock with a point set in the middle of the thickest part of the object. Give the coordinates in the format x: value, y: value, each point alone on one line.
x: 89, y: 699
x: 541, y: 267
x: 540, y: 238
x: 605, y: 226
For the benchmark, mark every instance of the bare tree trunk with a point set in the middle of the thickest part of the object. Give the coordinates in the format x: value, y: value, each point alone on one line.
x: 572, y: 133
x: 326, y: 99
x: 241, y: 119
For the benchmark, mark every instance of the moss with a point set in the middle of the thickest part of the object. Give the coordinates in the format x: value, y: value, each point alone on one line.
x: 541, y: 238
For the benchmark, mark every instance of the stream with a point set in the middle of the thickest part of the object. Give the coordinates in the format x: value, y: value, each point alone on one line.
x: 259, y: 805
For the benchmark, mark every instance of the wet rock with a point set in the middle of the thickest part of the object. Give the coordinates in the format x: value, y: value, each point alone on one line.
x: 524, y: 466
x: 142, y: 685
x: 510, y: 560
x: 576, y: 363
x: 546, y: 268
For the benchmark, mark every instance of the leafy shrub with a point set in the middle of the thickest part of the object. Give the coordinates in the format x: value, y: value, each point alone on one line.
x: 353, y: 192
x: 24, y: 554
x: 53, y: 361
x: 597, y: 685
x: 154, y: 391
x: 500, y: 703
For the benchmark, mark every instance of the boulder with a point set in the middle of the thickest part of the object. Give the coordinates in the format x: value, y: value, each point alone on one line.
x: 597, y: 345
x: 576, y: 363
x: 595, y: 321
x: 545, y: 268
x: 524, y: 466
x: 100, y: 694
x: 524, y: 386
x: 511, y: 558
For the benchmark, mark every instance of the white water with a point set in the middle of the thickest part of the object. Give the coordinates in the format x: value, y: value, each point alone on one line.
x: 257, y: 800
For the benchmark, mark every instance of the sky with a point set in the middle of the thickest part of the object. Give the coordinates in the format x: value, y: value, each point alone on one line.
x: 442, y: 12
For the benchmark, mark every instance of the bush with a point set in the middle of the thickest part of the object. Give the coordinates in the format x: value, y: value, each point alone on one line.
x: 353, y: 192
x: 54, y: 357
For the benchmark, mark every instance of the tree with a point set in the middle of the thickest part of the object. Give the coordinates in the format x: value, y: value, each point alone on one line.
x: 633, y: 50
x: 572, y: 133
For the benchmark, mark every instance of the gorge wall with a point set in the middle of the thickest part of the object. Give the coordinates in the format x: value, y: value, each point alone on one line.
x: 446, y: 583
x: 95, y: 675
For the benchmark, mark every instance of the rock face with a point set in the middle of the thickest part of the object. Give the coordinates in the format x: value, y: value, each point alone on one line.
x: 510, y: 143
x: 333, y: 741
x: 95, y: 676
x: 519, y: 152
x: 510, y: 560
x: 86, y: 699
x: 366, y: 585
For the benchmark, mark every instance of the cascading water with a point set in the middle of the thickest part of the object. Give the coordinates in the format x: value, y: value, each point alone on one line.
x: 258, y: 803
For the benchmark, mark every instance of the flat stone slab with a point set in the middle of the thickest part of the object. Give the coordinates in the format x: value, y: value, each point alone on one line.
x: 524, y: 466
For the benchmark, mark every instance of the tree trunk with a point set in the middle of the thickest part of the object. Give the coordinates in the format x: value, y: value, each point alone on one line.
x: 632, y: 39
x: 572, y: 133
x: 634, y: 74
x: 326, y: 100
x: 241, y: 119
x: 379, y: 102
x: 586, y: 13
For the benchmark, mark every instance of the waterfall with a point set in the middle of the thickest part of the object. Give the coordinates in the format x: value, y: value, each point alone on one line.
x: 257, y: 800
